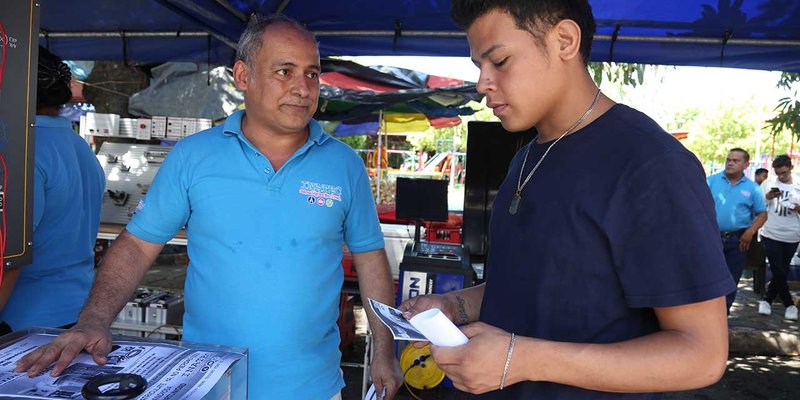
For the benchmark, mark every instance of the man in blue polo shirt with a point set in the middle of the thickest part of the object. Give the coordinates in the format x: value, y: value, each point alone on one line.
x: 741, y: 211
x: 267, y: 200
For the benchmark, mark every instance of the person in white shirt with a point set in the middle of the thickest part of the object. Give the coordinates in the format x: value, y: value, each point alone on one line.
x: 780, y: 234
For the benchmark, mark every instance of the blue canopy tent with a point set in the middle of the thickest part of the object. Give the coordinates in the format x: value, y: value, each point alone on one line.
x: 755, y: 34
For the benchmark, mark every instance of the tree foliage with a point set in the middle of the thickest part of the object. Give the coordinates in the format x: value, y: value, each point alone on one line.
x: 787, y: 117
x: 713, y: 132
x: 621, y: 73
x: 427, y: 140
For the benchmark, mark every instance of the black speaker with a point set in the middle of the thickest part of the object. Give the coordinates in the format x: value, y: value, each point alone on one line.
x: 490, y: 149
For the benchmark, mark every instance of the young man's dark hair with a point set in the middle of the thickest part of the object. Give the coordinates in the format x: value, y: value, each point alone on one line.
x: 780, y: 161
x: 536, y: 17
x: 53, y: 80
x: 741, y: 150
x: 764, y: 170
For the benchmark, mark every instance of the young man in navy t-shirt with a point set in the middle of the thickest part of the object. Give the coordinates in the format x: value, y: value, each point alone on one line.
x: 606, y: 277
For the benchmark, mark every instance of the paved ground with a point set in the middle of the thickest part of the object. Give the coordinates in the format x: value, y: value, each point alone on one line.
x: 764, y: 361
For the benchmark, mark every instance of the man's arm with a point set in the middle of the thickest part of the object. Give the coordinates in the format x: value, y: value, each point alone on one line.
x: 690, y: 351
x: 375, y: 282
x: 123, y: 267
x: 749, y: 233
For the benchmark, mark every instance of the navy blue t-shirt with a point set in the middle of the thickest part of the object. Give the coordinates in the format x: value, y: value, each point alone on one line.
x: 617, y: 219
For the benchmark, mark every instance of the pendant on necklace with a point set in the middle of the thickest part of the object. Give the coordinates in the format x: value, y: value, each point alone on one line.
x: 515, y: 199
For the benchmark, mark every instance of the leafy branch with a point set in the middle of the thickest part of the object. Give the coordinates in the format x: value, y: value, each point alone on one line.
x: 787, y: 116
x: 624, y: 73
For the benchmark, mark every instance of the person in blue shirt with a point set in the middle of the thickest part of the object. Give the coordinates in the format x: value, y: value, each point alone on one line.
x: 741, y: 211
x: 267, y: 200
x: 605, y: 277
x: 68, y: 186
x: 68, y: 190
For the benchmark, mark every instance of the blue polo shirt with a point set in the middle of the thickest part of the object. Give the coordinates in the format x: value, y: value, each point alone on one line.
x: 615, y: 221
x: 68, y: 186
x: 736, y: 205
x: 265, y: 249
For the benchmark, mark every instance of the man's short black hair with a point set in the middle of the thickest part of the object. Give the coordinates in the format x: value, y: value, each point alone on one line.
x: 781, y: 161
x: 741, y: 150
x: 760, y: 171
x: 535, y: 16
x: 53, y: 80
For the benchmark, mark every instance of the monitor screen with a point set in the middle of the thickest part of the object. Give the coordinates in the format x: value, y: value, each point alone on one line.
x: 421, y: 199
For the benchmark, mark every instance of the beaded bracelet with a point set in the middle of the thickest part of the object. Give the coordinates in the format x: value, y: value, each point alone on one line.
x: 508, y: 361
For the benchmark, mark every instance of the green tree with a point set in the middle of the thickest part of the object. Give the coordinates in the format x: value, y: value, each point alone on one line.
x: 712, y: 133
x: 622, y: 73
x: 787, y: 117
x: 426, y: 141
x: 355, y: 141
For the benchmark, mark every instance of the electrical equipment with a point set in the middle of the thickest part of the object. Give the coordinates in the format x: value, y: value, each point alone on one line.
x: 129, y: 170
x: 147, y: 311
x: 174, y: 126
x: 165, y: 310
x: 144, y: 128
x: 429, y: 267
x: 97, y: 124
x: 433, y: 268
x: 19, y: 39
x: 159, y: 127
x: 421, y: 200
x: 110, y: 125
x: 490, y: 149
x: 421, y: 372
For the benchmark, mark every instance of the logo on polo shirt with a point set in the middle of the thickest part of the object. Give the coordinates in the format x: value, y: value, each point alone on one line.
x: 745, y: 193
x: 320, y: 194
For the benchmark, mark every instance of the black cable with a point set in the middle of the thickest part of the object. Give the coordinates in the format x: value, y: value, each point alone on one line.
x: 398, y: 31
x: 725, y: 38
x: 418, y: 362
x: 124, y: 49
x: 614, y: 37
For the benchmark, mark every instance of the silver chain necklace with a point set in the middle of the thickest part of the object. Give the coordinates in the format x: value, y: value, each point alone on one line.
x: 517, y: 197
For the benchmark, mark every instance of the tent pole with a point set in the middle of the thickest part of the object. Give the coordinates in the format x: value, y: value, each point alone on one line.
x: 378, y: 158
x: 128, y: 34
x: 282, y: 6
x: 59, y: 35
x: 453, y: 158
x: 236, y: 13
x: 605, y: 38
